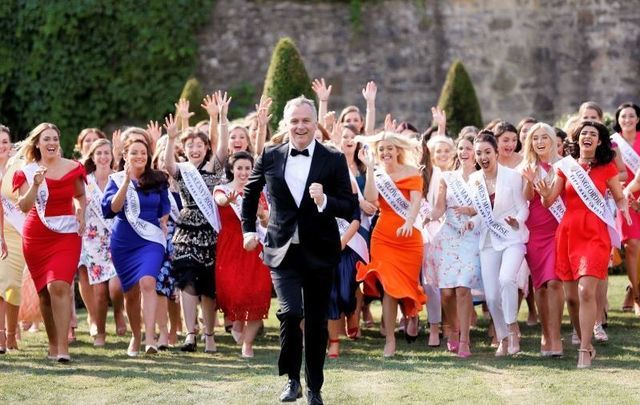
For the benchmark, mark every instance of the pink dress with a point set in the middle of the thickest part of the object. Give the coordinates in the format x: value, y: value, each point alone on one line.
x: 630, y: 231
x: 541, y: 248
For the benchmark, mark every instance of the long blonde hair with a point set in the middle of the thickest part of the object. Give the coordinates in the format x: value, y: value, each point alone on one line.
x: 29, y: 149
x: 530, y: 155
x: 406, y: 147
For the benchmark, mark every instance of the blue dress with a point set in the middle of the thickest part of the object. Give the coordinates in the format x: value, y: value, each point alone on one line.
x: 133, y: 256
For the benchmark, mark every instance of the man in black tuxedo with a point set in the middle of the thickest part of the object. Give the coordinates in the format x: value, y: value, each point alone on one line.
x: 309, y: 186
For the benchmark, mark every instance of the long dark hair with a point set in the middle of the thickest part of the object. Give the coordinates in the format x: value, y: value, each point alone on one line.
x: 426, y: 167
x: 486, y: 136
x: 242, y: 155
x: 604, y: 152
x: 362, y: 168
x: 150, y: 179
x: 616, y: 125
x: 191, y: 133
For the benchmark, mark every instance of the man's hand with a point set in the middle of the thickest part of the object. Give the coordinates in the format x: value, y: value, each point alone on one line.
x: 316, y: 192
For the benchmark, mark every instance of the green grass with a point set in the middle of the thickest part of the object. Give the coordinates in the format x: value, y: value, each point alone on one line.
x: 361, y: 375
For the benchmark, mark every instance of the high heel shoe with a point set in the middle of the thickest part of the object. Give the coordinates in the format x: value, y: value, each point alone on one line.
x: 462, y: 353
x: 188, y: 346
x: 412, y: 324
x: 3, y: 341
x: 208, y: 349
x: 514, y: 343
x: 336, y: 354
x: 133, y: 351
x: 592, y: 356
x: 353, y: 333
x: 453, y: 345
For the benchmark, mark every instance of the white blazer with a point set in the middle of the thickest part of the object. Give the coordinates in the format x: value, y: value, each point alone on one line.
x: 509, y: 201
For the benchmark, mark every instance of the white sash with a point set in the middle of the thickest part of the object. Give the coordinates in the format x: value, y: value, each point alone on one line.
x: 61, y: 223
x: 482, y: 204
x: 590, y: 195
x: 200, y: 193
x: 144, y: 229
x: 95, y: 197
x: 236, y: 206
x: 13, y: 215
x: 365, y: 220
x: 175, y: 212
x: 357, y: 242
x: 458, y: 188
x: 557, y: 209
x: 629, y: 156
x: 396, y: 200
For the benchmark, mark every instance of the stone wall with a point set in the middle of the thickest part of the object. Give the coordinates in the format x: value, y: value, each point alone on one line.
x: 526, y: 57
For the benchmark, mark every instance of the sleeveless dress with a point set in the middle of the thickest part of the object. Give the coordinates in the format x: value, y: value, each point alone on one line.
x: 583, y: 244
x: 96, y: 242
x: 12, y: 267
x: 456, y: 253
x: 51, y: 256
x: 541, y: 248
x: 194, y: 241
x: 630, y: 231
x: 133, y: 256
x: 395, y: 261
x: 243, y: 282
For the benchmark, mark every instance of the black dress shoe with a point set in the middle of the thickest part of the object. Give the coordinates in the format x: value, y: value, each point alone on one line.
x: 314, y: 398
x: 291, y: 391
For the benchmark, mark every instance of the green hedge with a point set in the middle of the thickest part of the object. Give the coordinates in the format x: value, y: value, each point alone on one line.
x: 88, y: 63
x: 458, y: 99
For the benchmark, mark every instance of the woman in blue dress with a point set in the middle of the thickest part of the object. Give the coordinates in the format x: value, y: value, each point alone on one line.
x: 138, y: 198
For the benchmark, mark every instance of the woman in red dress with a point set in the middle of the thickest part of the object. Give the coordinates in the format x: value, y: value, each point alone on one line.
x: 583, y: 241
x: 52, y: 192
x: 243, y: 282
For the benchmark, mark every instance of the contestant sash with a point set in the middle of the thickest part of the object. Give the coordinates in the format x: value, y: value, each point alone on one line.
x: 396, y: 200
x: 236, y: 206
x: 365, y: 220
x: 357, y: 242
x: 557, y: 209
x: 60, y: 223
x: 95, y: 197
x: 589, y: 194
x: 629, y: 155
x: 13, y: 215
x: 144, y: 229
x: 175, y: 212
x: 482, y: 204
x: 200, y: 193
x: 458, y: 188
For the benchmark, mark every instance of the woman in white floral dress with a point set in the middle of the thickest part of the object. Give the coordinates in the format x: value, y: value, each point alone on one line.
x: 96, y: 252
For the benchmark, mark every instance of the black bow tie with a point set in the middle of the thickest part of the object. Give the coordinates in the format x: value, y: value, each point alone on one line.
x: 296, y: 152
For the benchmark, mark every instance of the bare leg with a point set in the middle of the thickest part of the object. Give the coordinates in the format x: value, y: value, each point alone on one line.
x: 542, y: 303
x: 389, y: 313
x: 162, y: 319
x: 3, y: 330
x: 132, y: 304
x: 117, y: 300
x: 464, y: 306
x: 250, y: 332
x: 334, y: 327
x: 586, y: 290
x: 175, y: 321
x: 555, y: 307
x: 189, y: 306
x: 149, y: 304
x: 531, y: 305
x: 12, y: 326
x: 61, y: 313
x: 49, y: 322
x: 449, y: 305
x: 209, y: 315
x: 86, y: 292
x: 573, y: 303
x: 101, y: 297
x: 631, y: 254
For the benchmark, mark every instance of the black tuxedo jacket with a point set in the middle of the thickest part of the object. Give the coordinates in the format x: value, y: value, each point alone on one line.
x: 317, y: 231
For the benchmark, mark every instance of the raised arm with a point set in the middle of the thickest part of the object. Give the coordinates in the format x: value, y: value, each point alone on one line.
x: 369, y: 93
x: 222, y: 151
x: 169, y: 152
x: 210, y: 104
x: 370, y: 191
x: 183, y: 114
x: 263, y: 118
x: 323, y: 92
x: 440, y: 119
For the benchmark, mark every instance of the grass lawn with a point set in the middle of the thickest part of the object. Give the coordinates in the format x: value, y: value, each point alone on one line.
x: 417, y: 374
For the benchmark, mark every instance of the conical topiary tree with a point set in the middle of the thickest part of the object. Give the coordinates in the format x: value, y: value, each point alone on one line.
x: 458, y: 99
x: 286, y: 78
x: 192, y: 91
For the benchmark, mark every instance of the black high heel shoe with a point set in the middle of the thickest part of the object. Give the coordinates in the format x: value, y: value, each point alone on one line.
x: 411, y: 338
x: 191, y: 346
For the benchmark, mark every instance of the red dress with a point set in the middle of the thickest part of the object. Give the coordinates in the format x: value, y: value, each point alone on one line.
x: 583, y: 244
x: 630, y: 231
x: 243, y: 282
x: 51, y: 256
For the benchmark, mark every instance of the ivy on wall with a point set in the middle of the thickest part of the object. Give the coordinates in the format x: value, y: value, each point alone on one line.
x: 86, y: 63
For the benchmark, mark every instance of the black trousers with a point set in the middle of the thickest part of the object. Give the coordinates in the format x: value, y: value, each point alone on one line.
x: 302, y: 294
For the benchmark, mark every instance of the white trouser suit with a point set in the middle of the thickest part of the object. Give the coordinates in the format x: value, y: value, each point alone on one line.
x: 501, y: 257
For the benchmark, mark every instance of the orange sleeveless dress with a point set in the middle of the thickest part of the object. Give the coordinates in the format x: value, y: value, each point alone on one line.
x: 395, y: 261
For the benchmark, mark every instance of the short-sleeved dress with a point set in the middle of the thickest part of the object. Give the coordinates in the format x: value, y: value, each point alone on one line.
x: 395, y: 261
x: 243, y: 281
x: 194, y: 241
x: 51, y: 256
x: 133, y: 256
x: 583, y: 244
x: 96, y: 241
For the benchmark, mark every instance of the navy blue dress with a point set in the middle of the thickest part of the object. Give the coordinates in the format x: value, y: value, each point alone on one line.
x: 133, y: 256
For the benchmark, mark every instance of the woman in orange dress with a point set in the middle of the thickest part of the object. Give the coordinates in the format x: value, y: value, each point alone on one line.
x: 396, y: 244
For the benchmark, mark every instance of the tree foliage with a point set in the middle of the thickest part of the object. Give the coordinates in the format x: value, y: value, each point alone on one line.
x: 192, y: 91
x: 287, y: 78
x: 89, y: 63
x: 458, y: 99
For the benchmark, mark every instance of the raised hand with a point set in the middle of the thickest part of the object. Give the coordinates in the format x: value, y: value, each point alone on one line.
x: 512, y: 222
x: 329, y: 120
x: 116, y: 140
x: 38, y: 177
x: 366, y: 157
x: 128, y: 173
x: 390, y: 124
x: 223, y: 103
x: 439, y: 118
x: 262, y: 109
x: 529, y: 173
x: 336, y: 132
x: 542, y: 188
x: 211, y: 106
x: 154, y: 130
x: 369, y: 92
x: 182, y: 109
x: 171, y: 126
x: 320, y: 88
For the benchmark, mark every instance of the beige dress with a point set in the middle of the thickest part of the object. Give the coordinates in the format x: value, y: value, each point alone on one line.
x: 12, y: 267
